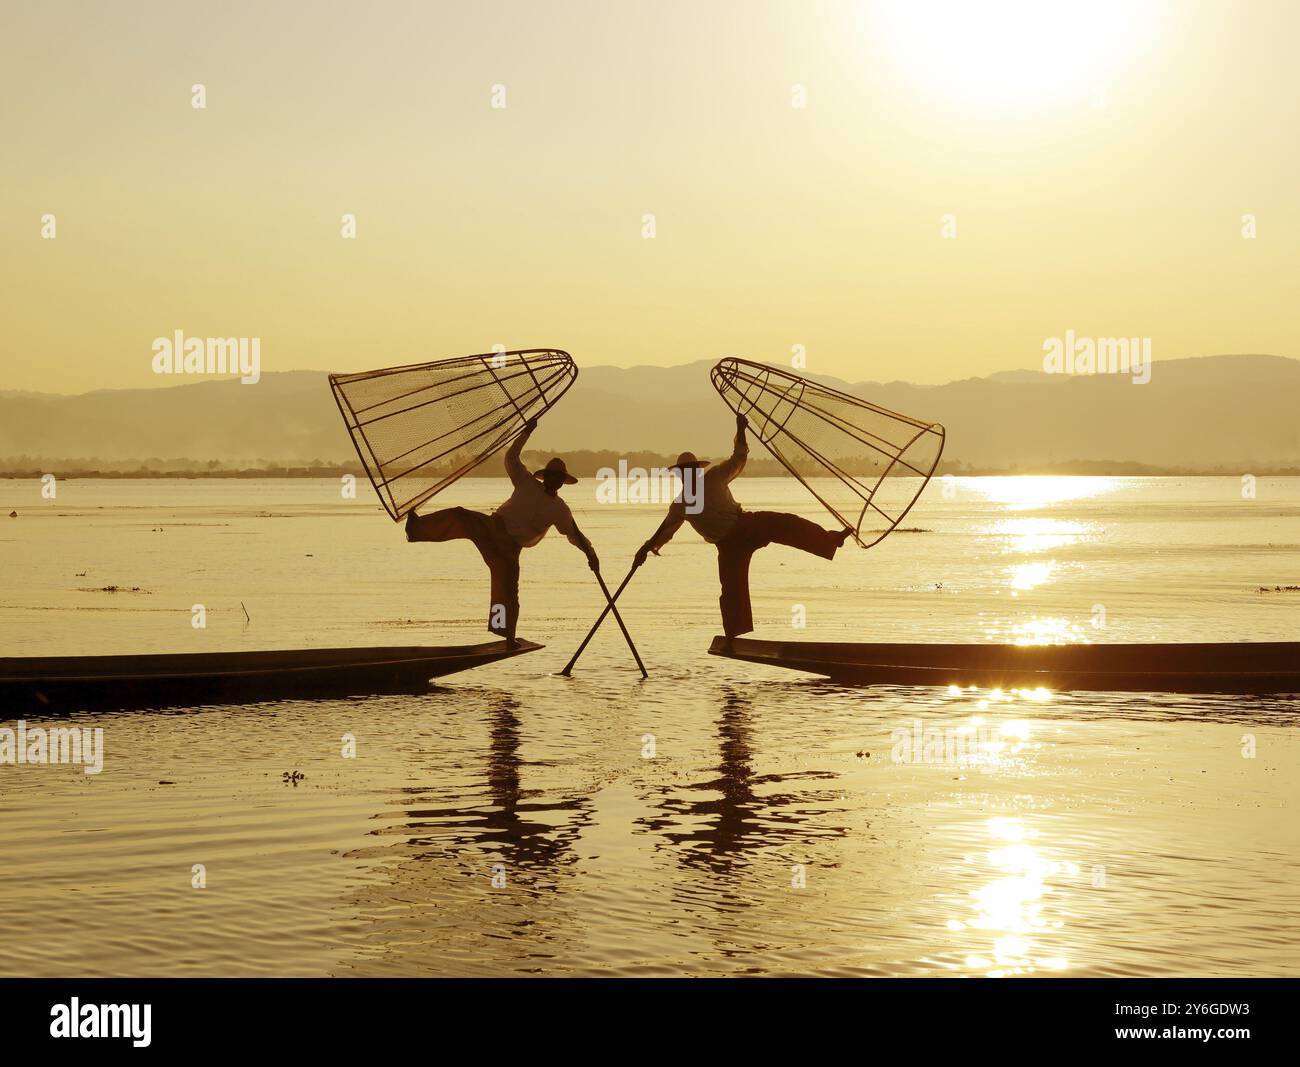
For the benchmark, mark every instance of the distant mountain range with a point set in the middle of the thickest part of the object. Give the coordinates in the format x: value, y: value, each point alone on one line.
x: 1229, y: 412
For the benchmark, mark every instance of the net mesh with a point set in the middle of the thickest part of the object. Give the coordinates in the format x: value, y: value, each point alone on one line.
x: 418, y: 428
x: 865, y: 464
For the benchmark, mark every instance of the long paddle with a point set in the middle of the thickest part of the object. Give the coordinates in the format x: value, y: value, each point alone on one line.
x: 619, y: 619
x: 568, y: 668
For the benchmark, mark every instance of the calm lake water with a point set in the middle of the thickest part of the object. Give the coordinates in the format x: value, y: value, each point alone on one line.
x: 717, y: 819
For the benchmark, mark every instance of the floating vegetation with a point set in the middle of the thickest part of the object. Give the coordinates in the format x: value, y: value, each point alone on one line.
x: 1280, y: 589
x: 114, y: 589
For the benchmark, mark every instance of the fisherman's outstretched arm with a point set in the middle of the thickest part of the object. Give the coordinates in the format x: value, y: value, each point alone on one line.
x: 514, y: 461
x: 735, y: 463
x: 671, y: 524
x: 579, y: 540
x: 576, y: 537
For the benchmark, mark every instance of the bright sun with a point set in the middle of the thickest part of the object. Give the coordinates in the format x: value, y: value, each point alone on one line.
x: 1012, y: 55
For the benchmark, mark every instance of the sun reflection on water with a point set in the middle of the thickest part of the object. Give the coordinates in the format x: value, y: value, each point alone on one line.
x: 1039, y: 490
x: 1043, y: 631
x: 1010, y: 916
x: 1029, y: 575
x: 1038, y: 694
x: 1011, y: 909
x: 980, y: 742
x: 1028, y: 535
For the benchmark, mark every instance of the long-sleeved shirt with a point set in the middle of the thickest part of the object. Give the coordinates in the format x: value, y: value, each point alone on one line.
x: 531, y: 510
x: 707, y: 504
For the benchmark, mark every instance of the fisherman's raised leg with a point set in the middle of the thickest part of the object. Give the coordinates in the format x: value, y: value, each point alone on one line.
x: 782, y: 528
x: 450, y: 524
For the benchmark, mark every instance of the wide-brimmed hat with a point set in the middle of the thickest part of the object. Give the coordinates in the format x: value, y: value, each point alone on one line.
x: 556, y: 466
x: 687, y: 459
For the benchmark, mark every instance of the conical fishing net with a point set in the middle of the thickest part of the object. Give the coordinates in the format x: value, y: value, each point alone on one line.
x: 419, y: 428
x: 866, y: 464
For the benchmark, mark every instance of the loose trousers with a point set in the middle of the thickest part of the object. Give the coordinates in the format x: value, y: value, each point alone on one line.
x: 755, y: 530
x: 499, y: 550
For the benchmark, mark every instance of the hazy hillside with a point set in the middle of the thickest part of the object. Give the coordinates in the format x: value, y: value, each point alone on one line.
x: 1234, y: 411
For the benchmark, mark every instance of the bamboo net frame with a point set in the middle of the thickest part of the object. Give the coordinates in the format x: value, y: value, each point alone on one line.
x: 420, y: 427
x: 824, y: 431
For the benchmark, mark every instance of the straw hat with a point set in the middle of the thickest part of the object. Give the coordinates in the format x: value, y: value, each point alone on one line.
x: 554, y: 466
x: 687, y: 459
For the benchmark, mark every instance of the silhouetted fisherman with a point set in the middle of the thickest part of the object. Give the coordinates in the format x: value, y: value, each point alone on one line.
x: 521, y: 522
x: 707, y: 504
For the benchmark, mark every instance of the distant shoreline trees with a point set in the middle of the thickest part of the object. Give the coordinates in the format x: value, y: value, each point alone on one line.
x: 584, y: 463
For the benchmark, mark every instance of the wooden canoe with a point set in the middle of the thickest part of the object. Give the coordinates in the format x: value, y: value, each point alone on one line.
x: 71, y: 683
x: 1242, y: 667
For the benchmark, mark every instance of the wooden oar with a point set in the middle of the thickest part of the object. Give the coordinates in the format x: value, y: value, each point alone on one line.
x: 619, y: 619
x: 568, y: 668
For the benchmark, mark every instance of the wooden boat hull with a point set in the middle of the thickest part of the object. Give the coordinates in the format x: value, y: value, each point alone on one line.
x: 1242, y: 667
x: 61, y: 684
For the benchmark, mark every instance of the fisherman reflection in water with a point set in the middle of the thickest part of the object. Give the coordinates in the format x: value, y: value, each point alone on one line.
x: 736, y: 533
x: 521, y: 522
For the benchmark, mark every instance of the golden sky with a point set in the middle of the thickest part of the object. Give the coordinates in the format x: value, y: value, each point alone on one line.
x: 1097, y: 160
